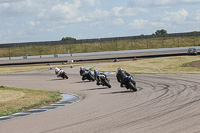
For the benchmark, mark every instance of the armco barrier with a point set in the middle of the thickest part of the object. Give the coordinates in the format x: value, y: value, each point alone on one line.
x: 97, y: 56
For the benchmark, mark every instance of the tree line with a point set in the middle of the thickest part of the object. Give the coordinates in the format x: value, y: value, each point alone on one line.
x: 158, y: 32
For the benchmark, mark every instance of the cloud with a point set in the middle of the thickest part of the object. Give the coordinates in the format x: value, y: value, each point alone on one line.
x: 195, y: 16
x: 32, y: 18
x: 118, y: 21
x: 0, y: 37
x: 14, y: 9
x: 161, y: 3
x: 123, y: 11
x: 115, y: 12
x: 92, y: 2
x: 67, y: 7
x: 159, y: 24
x: 5, y: 35
x: 97, y: 14
x: 33, y: 23
x: 177, y: 17
x: 60, y: 12
x: 139, y: 24
x: 10, y: 1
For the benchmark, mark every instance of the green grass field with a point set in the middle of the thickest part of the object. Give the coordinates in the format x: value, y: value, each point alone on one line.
x: 162, y: 65
x: 14, y: 100
x: 24, y: 68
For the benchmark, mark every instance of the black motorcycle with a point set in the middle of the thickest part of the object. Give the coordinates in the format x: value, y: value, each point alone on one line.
x: 102, y: 79
x: 64, y: 75
x: 88, y: 75
x: 130, y: 83
x: 83, y: 71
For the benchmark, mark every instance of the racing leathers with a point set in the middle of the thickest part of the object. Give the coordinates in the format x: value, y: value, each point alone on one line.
x: 96, y: 76
x: 58, y: 72
x: 83, y: 71
x: 121, y: 75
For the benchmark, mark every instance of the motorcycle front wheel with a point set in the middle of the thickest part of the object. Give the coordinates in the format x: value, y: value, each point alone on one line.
x: 65, y: 76
x: 107, y: 84
x: 91, y: 78
x: 132, y: 86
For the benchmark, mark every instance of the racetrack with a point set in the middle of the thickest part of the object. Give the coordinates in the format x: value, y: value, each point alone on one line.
x: 163, y: 103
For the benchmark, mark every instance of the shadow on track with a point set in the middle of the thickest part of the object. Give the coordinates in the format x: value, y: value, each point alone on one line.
x: 125, y: 91
x: 120, y: 92
x: 102, y: 88
x: 83, y: 81
x: 56, y: 79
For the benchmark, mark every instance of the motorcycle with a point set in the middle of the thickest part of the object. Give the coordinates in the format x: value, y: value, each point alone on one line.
x: 130, y: 83
x: 83, y: 71
x: 103, y: 81
x: 64, y: 75
x: 61, y: 74
x: 88, y: 75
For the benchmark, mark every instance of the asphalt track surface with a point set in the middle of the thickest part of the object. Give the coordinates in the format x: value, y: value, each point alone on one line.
x: 163, y: 103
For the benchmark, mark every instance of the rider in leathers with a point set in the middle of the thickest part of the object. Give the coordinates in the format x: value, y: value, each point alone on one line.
x: 121, y: 75
x: 96, y: 76
x: 83, y: 71
x: 58, y: 72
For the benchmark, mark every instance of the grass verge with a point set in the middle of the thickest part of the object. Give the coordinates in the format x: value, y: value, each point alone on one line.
x: 13, y: 100
x: 151, y: 43
x: 24, y: 68
x: 8, y: 69
x: 162, y: 65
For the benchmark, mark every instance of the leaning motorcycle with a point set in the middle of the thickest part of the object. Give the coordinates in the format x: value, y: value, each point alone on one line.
x: 83, y: 71
x: 64, y: 75
x: 88, y: 75
x: 130, y: 83
x: 104, y: 81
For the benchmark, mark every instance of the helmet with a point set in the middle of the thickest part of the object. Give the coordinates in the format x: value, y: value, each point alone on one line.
x: 57, y: 69
x: 81, y: 68
x: 96, y: 72
x: 119, y: 69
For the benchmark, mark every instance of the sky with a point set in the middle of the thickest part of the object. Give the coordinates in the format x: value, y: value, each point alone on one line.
x: 50, y: 20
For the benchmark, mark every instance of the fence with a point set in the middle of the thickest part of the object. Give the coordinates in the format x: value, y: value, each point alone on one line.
x: 189, y: 34
x: 101, y: 44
